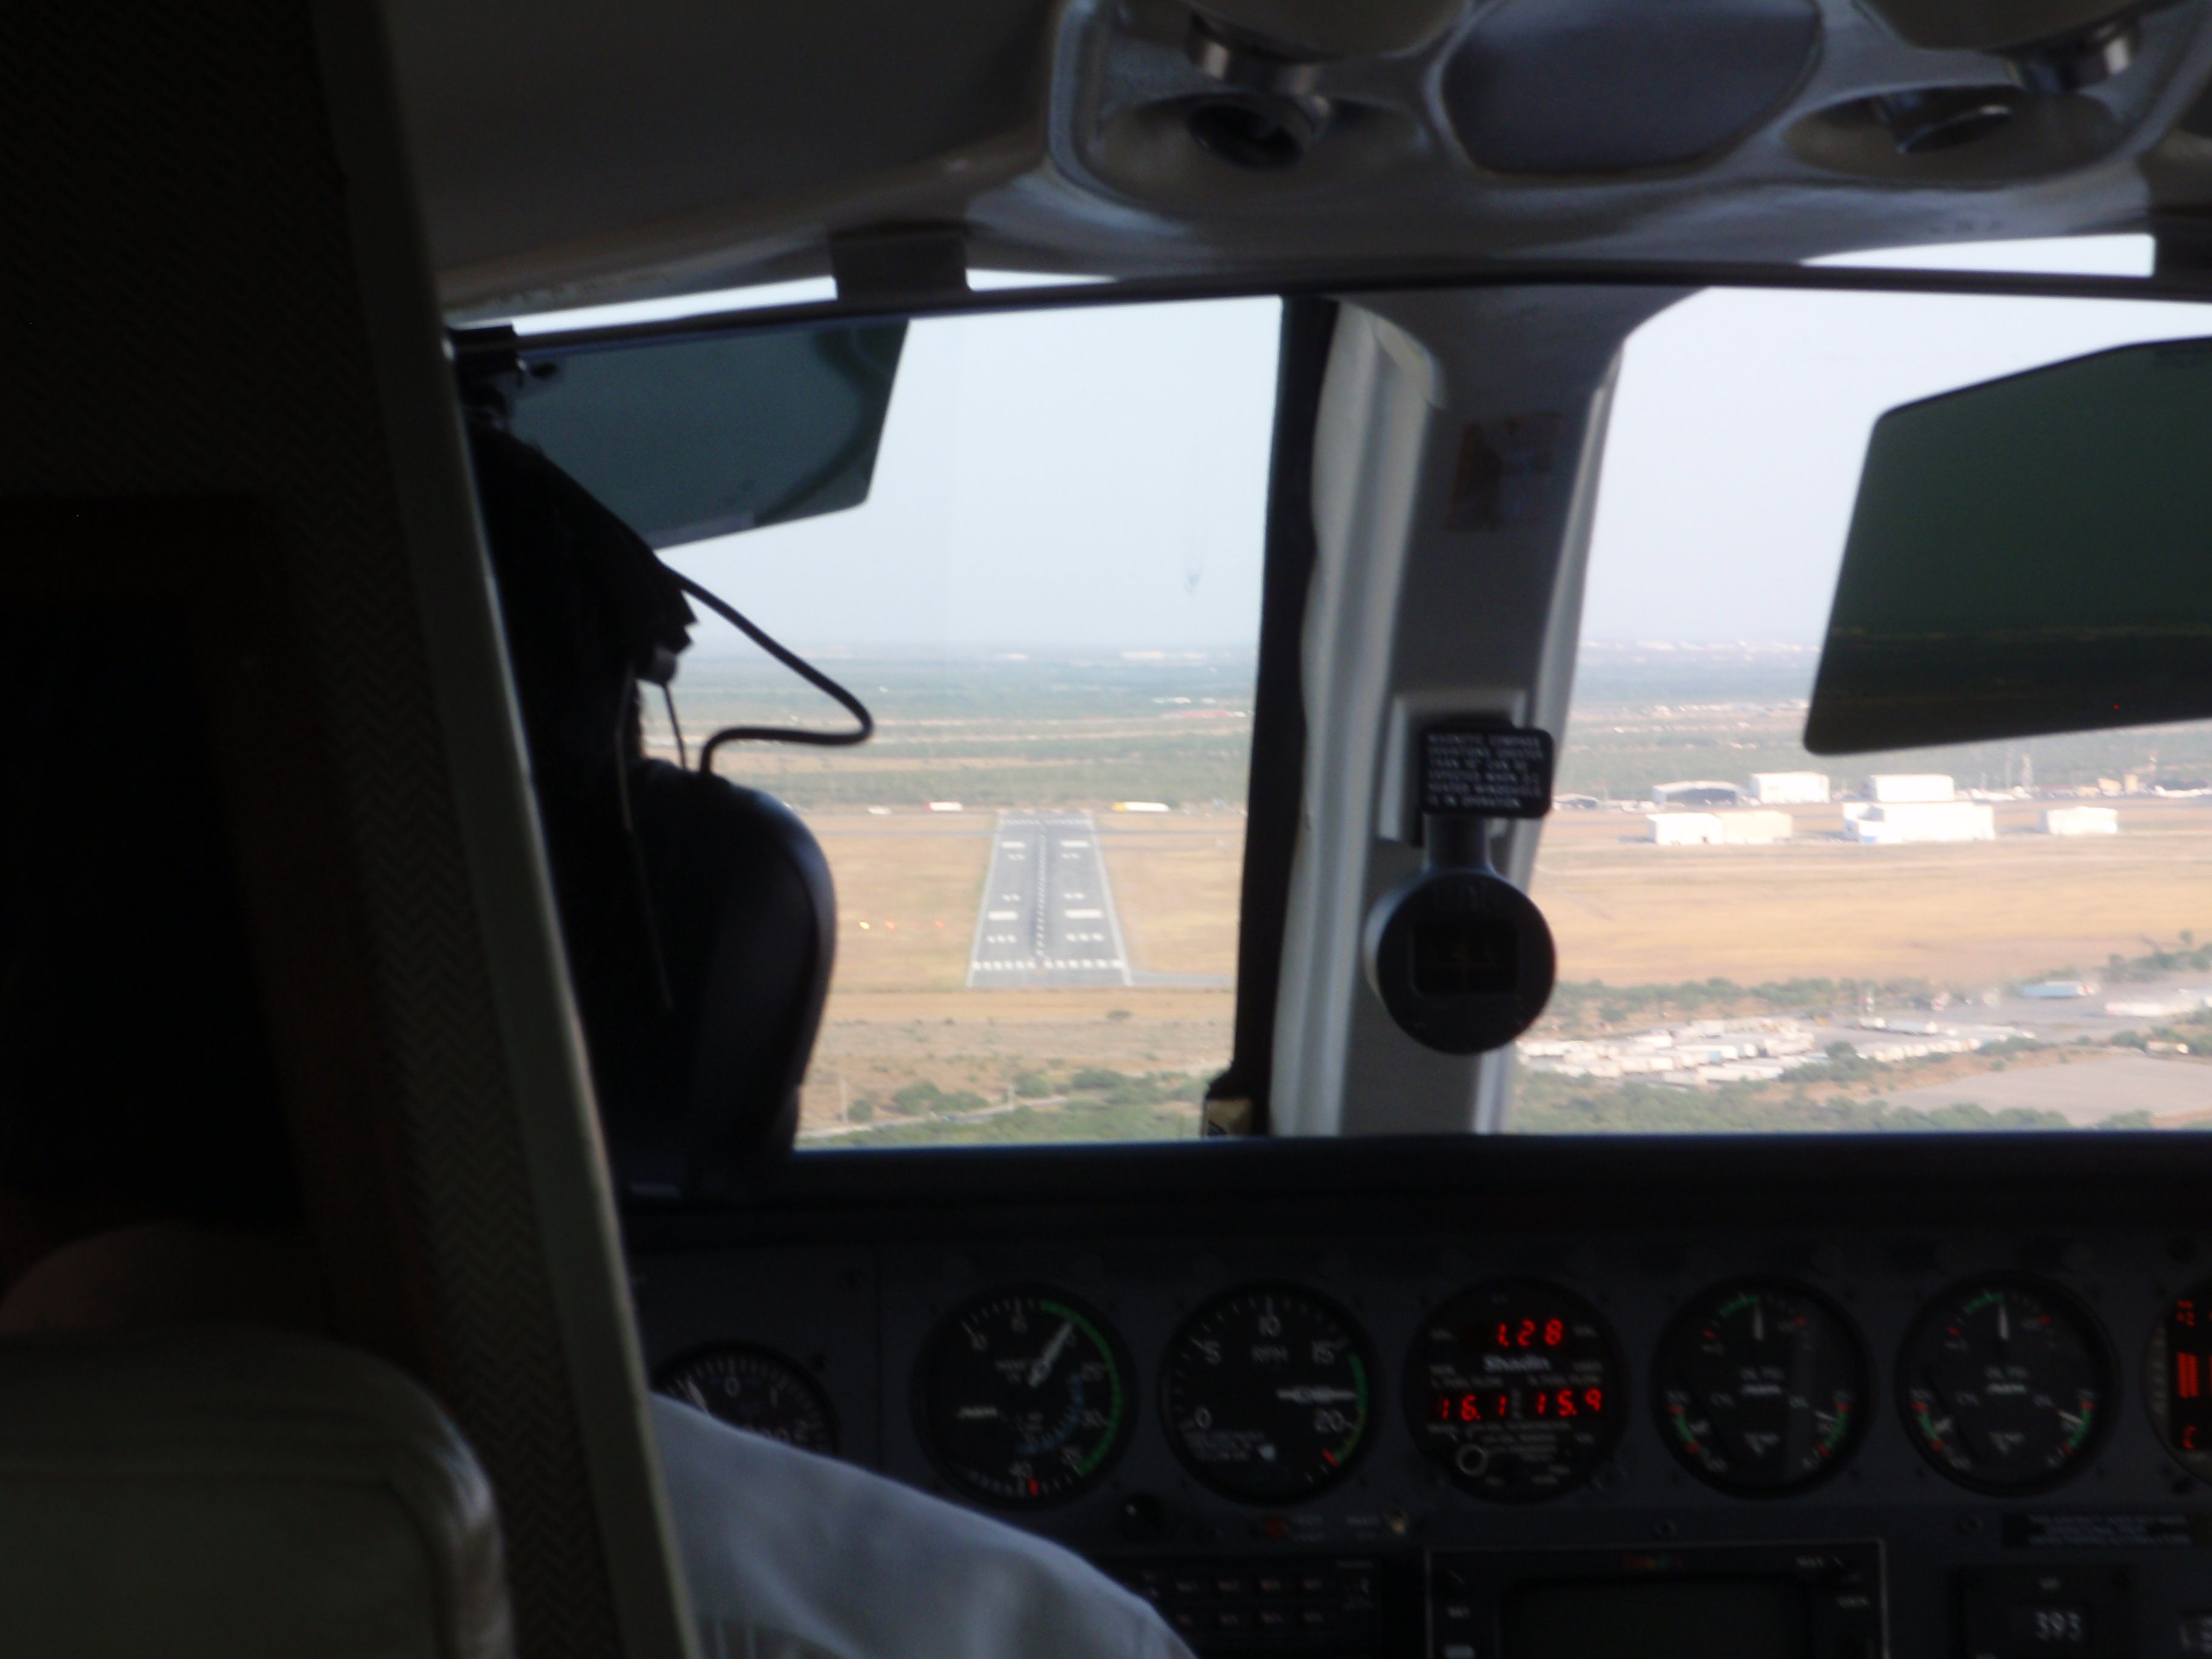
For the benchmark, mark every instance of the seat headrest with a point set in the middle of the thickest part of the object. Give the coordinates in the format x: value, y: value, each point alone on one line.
x: 209, y: 1492
x: 696, y: 1096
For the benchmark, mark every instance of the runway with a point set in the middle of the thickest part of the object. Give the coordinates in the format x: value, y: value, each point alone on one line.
x: 1047, y: 915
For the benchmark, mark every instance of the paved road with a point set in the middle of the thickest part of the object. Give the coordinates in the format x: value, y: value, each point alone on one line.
x: 1048, y: 915
x: 2101, y: 1084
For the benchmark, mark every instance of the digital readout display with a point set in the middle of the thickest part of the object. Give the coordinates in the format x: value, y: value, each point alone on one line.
x: 1514, y: 1387
x: 1506, y: 1404
x: 2189, y: 1373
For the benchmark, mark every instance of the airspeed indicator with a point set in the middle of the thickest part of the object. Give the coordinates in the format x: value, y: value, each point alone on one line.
x: 1023, y: 1398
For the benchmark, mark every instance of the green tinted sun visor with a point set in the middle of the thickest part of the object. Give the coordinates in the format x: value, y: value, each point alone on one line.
x: 707, y: 435
x: 2032, y: 555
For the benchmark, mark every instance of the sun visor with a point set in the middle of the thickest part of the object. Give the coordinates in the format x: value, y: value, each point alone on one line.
x: 703, y: 435
x: 2032, y: 554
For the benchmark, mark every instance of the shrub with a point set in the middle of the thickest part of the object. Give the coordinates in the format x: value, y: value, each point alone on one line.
x: 924, y: 1098
x: 915, y: 1099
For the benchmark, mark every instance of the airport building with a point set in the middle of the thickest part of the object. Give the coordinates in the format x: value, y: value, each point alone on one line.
x: 2158, y: 1005
x: 1684, y: 829
x: 1789, y: 788
x: 1894, y: 822
x: 1706, y: 1052
x: 1753, y: 828
x: 1697, y: 792
x: 2081, y: 821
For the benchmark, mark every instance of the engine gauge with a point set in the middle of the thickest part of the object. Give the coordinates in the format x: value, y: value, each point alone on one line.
x: 2178, y: 1380
x: 1023, y: 1397
x: 2006, y: 1384
x: 1267, y: 1392
x: 1516, y: 1388
x: 755, y: 1389
x: 1761, y: 1388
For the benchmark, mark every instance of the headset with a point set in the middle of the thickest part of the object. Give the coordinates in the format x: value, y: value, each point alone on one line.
x: 698, y: 917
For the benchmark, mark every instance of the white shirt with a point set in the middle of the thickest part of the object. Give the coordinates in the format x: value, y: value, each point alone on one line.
x: 792, y: 1555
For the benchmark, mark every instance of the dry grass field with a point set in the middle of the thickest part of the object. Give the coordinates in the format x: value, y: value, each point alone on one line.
x: 907, y: 891
x: 1624, y: 911
x: 981, y: 1041
x: 1176, y: 878
x: 909, y: 885
x: 1627, y: 912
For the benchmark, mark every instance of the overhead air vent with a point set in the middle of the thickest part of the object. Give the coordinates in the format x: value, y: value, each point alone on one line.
x: 1565, y: 86
x: 2072, y: 62
x: 1928, y: 119
x: 1266, y: 116
x: 1963, y: 134
x: 1254, y: 130
x: 1992, y: 25
x: 1317, y: 30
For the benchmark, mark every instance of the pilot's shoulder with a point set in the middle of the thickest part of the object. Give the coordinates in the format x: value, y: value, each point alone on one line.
x: 860, y: 1566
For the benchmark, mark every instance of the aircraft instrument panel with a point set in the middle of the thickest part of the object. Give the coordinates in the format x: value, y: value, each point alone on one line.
x: 1315, y: 1415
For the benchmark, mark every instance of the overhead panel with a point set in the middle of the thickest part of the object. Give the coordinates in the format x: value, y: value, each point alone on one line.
x: 1614, y: 86
x: 1991, y: 25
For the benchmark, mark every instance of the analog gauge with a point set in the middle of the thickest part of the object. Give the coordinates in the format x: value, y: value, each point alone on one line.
x: 1516, y: 1388
x: 2178, y: 1380
x: 1023, y: 1397
x: 2005, y: 1384
x: 1266, y: 1393
x: 1761, y: 1387
x: 753, y: 1389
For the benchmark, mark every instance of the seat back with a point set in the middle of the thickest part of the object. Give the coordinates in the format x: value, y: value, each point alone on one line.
x: 210, y: 221
x: 218, y: 1493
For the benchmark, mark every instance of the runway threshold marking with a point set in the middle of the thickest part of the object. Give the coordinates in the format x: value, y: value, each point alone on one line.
x: 1047, y: 916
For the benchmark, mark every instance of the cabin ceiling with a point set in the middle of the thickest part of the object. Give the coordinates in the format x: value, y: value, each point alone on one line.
x: 572, y: 152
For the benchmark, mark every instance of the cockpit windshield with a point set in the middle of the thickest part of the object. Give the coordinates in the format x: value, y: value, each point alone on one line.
x: 2003, y: 935
x: 1050, y: 600
x: 1050, y: 592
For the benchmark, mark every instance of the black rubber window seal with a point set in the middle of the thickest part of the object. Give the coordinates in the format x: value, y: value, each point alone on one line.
x: 1238, y: 1100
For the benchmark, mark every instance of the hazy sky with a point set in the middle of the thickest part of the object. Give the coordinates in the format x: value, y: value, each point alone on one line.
x: 1070, y: 478
x: 1742, y: 418
x: 1095, y: 479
